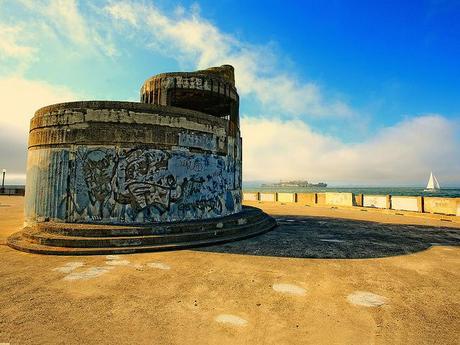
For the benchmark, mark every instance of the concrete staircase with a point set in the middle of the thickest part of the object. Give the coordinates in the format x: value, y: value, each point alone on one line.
x: 92, y: 239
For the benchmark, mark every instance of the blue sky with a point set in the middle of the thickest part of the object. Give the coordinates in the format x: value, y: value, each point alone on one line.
x: 351, y: 92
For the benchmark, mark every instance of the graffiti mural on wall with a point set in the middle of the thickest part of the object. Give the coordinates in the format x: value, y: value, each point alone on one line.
x: 141, y: 184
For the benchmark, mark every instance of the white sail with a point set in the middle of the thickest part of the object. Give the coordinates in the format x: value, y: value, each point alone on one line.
x: 436, y: 183
x: 433, y: 183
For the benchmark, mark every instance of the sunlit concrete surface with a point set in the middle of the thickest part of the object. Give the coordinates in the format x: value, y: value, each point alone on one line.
x: 315, y: 279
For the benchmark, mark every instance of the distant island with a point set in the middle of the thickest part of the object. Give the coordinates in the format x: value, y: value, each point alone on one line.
x: 295, y: 184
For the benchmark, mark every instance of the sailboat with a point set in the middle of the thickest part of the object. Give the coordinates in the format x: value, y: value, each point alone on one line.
x: 433, y: 184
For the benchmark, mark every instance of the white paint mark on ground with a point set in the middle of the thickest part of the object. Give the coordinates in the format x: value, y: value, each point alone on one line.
x: 112, y: 257
x: 114, y: 260
x: 231, y: 320
x: 117, y: 262
x: 289, y: 289
x: 69, y: 267
x: 89, y: 273
x: 366, y: 299
x: 159, y: 265
x: 333, y: 240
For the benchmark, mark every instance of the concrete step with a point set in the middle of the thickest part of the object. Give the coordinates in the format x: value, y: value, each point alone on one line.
x: 134, y: 240
x: 248, y: 215
x: 50, y: 239
x: 19, y: 242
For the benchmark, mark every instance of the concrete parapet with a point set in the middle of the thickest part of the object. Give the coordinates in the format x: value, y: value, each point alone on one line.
x: 441, y: 205
x: 321, y: 198
x: 438, y: 205
x: 376, y: 201
x: 286, y: 197
x: 306, y: 198
x: 339, y: 199
x: 267, y: 197
x: 251, y: 196
x: 406, y: 203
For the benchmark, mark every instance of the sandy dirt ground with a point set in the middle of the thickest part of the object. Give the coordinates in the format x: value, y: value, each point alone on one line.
x: 217, y: 297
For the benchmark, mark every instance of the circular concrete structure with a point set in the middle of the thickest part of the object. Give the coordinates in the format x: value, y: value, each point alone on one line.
x: 126, y: 176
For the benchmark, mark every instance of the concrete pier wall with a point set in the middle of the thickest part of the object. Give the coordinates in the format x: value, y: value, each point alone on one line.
x: 441, y: 205
x: 286, y: 197
x: 339, y: 199
x: 436, y: 205
x: 306, y: 198
x: 267, y: 197
x: 251, y: 196
x: 377, y: 201
x: 405, y: 203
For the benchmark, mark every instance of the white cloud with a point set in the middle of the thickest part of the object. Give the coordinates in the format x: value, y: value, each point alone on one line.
x: 188, y: 37
x: 403, y: 153
x: 10, y: 45
x: 20, y: 98
x: 66, y: 16
x: 122, y: 11
x: 55, y: 27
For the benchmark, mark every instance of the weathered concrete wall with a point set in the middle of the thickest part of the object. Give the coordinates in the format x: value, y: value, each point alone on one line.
x: 267, y: 197
x: 306, y: 198
x: 440, y: 205
x: 248, y: 196
x: 106, y: 162
x: 321, y: 198
x: 286, y: 197
x: 447, y: 206
x: 377, y: 201
x: 406, y: 203
x: 339, y: 199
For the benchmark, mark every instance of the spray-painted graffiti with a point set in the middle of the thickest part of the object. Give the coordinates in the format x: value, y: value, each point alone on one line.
x: 146, y: 185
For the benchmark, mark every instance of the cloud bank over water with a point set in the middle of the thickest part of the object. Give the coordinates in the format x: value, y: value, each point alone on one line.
x: 277, y: 149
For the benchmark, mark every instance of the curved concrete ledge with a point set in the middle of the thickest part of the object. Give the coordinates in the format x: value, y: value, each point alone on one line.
x: 120, y: 105
x: 91, y: 239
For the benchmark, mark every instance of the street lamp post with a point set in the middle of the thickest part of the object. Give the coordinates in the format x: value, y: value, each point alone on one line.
x: 3, y: 180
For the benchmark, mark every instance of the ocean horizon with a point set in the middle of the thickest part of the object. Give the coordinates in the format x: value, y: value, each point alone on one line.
x: 403, y: 191
x: 451, y: 192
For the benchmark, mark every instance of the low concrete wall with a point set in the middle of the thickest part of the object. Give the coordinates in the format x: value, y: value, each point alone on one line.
x: 250, y: 196
x: 339, y: 199
x: 306, y: 198
x: 286, y: 197
x: 267, y: 197
x: 377, y: 201
x: 406, y: 203
x: 441, y: 205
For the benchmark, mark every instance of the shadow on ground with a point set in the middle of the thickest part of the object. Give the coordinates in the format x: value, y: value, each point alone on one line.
x: 326, y: 238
